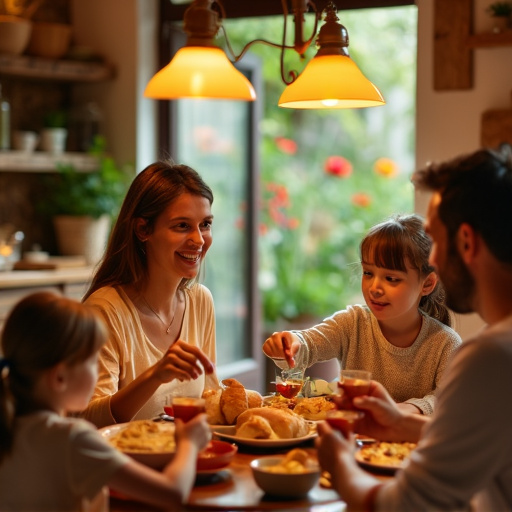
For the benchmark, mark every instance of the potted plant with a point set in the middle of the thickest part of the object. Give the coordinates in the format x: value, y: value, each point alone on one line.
x: 83, y: 204
x: 54, y: 133
x: 501, y: 12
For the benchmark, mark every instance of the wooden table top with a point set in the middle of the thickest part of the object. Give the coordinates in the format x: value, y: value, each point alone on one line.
x: 235, y: 489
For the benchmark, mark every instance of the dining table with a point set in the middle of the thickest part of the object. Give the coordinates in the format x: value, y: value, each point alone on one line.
x: 233, y: 488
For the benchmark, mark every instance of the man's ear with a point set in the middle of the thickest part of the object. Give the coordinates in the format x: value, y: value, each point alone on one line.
x: 429, y: 283
x: 466, y: 242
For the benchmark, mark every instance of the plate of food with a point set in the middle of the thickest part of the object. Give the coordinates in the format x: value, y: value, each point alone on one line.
x: 384, y: 456
x: 152, y: 443
x: 270, y: 427
x: 149, y: 442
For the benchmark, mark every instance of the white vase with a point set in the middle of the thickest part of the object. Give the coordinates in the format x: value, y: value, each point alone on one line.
x: 82, y: 236
x: 53, y: 140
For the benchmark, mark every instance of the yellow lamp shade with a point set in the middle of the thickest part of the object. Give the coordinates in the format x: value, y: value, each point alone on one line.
x: 331, y: 81
x: 200, y: 72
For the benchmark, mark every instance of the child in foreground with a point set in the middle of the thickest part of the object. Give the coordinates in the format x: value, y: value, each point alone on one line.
x: 52, y: 462
x: 402, y: 335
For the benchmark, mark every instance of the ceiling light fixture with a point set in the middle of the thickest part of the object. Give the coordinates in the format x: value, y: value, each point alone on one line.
x: 202, y: 70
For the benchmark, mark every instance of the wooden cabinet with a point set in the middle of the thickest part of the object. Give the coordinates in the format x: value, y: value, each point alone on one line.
x: 34, y: 84
x: 454, y: 43
x: 72, y: 282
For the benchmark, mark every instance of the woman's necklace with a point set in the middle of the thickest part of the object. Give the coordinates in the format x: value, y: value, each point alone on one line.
x: 158, y: 316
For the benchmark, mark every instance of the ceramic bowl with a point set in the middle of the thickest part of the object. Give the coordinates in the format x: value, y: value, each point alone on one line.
x: 289, y: 485
x: 217, y: 455
x: 14, y: 34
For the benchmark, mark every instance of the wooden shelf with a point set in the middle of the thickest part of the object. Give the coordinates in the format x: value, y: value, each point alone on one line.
x: 64, y: 70
x: 39, y: 161
x: 490, y: 40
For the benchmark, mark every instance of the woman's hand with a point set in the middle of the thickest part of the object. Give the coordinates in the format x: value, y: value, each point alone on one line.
x: 195, y: 430
x: 282, y: 345
x: 182, y: 361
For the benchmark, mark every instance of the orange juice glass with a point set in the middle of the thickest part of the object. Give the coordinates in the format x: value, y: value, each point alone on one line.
x: 185, y: 408
x: 344, y: 421
x: 354, y: 383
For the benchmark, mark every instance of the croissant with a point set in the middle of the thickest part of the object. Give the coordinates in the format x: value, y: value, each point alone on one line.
x: 233, y: 400
x: 223, y: 405
x: 214, y: 414
x: 283, y: 422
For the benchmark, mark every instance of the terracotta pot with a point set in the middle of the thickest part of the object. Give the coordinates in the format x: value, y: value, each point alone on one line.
x: 82, y: 236
x: 14, y: 34
x: 49, y: 40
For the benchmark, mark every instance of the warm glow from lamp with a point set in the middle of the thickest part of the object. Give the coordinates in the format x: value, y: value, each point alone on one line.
x: 331, y: 81
x: 200, y: 72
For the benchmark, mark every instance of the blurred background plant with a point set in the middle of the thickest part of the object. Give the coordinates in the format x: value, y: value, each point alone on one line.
x: 327, y: 176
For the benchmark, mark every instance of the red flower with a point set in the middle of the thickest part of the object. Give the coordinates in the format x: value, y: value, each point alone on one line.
x: 287, y: 146
x: 361, y: 199
x: 338, y: 166
x: 293, y: 223
x: 386, y: 167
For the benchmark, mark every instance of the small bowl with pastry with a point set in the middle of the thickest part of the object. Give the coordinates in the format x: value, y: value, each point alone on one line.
x: 290, y: 476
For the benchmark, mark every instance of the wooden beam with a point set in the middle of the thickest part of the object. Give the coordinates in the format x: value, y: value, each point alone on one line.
x: 453, y: 58
x: 251, y: 8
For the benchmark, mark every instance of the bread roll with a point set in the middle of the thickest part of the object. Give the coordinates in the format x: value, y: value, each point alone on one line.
x: 254, y: 399
x: 214, y: 414
x: 233, y: 400
x: 283, y: 422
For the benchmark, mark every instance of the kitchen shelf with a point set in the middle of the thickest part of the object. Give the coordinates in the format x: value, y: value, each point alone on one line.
x: 64, y: 70
x: 39, y: 161
x: 490, y: 40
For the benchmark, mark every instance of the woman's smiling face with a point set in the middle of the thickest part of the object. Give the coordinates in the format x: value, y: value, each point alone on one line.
x: 181, y: 236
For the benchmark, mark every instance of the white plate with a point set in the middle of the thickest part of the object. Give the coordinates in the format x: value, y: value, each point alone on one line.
x: 223, y: 429
x: 266, y: 443
x: 378, y: 466
x: 153, y: 459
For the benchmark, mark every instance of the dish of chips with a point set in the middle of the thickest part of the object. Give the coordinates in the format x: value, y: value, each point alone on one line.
x: 383, y: 455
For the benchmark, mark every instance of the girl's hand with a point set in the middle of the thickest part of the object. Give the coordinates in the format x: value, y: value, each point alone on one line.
x: 282, y: 345
x: 195, y: 430
x: 183, y: 362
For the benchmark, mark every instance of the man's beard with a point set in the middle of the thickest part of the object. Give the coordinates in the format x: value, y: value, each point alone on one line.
x: 458, y: 283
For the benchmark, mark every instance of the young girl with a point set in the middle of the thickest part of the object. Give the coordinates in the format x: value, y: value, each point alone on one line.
x: 51, y: 462
x: 402, y: 335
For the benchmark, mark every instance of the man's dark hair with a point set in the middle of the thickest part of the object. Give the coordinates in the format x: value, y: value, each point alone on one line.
x: 475, y: 189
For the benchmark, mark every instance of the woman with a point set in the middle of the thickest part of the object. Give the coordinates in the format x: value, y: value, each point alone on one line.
x: 161, y: 321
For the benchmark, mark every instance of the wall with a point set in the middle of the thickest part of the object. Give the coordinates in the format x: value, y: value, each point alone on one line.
x: 124, y: 32
x: 448, y: 122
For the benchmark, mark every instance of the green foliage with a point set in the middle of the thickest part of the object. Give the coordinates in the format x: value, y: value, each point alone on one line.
x: 315, y: 210
x: 70, y: 192
x: 500, y: 9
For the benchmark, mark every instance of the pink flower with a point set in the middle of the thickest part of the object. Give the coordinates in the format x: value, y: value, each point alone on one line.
x: 361, y: 199
x: 287, y: 146
x: 338, y: 166
x: 386, y: 167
